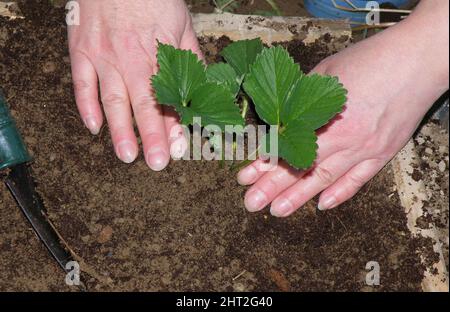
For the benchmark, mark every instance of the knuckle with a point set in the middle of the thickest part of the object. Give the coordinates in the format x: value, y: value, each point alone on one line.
x: 144, y: 102
x: 377, y: 145
x: 120, y: 132
x: 117, y: 131
x: 324, y: 175
x: 152, y: 137
x: 113, y: 100
x: 356, y: 180
x: 272, y: 184
x: 81, y: 86
x: 169, y: 37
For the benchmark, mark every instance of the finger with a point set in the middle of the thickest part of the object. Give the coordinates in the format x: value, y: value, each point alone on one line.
x: 189, y: 41
x: 347, y: 186
x: 85, y: 82
x: 149, y: 115
x: 322, y: 68
x: 269, y: 186
x: 178, y: 142
x: 319, y: 178
x: 253, y: 172
x: 118, y: 112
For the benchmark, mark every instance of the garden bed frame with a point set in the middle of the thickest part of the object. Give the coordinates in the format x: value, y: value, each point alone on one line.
x: 338, y: 36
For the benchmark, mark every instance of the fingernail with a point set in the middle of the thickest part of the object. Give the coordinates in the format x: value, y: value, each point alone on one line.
x: 126, y: 151
x: 255, y: 201
x: 92, y: 125
x: 282, y: 208
x: 327, y: 203
x: 157, y: 159
x: 247, y: 175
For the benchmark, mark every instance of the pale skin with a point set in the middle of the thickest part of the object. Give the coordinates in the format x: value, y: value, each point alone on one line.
x: 392, y: 79
x: 115, y: 46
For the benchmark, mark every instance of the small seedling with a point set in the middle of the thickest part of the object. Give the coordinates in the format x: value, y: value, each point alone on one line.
x: 225, y: 5
x: 283, y: 96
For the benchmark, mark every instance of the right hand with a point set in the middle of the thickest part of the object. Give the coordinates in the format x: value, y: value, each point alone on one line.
x: 115, y: 47
x: 392, y: 79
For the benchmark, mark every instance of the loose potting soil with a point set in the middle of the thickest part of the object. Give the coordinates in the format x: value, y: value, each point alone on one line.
x: 184, y: 228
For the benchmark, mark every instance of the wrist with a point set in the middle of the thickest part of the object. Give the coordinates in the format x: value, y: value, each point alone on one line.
x: 426, y: 35
x: 416, y: 53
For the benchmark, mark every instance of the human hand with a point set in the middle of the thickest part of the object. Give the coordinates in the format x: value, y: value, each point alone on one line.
x: 115, y: 47
x: 386, y: 102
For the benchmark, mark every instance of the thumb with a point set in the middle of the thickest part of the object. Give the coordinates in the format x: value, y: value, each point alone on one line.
x: 323, y: 67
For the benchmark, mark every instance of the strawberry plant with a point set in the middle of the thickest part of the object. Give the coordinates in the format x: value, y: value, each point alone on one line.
x: 283, y: 96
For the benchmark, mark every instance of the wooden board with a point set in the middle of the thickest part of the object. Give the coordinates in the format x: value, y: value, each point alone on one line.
x: 413, y: 196
x: 10, y: 9
x: 273, y: 29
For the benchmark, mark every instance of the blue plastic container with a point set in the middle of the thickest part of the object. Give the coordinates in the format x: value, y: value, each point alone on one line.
x: 326, y: 9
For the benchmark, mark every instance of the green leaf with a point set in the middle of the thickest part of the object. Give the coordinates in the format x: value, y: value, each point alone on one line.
x: 315, y: 100
x: 222, y: 73
x: 297, y: 145
x: 242, y: 54
x: 296, y: 103
x: 180, y: 74
x: 182, y: 83
x: 214, y: 104
x: 270, y: 82
x: 282, y: 94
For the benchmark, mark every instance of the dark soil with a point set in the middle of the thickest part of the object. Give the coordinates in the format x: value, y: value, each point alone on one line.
x: 308, y: 56
x: 181, y: 229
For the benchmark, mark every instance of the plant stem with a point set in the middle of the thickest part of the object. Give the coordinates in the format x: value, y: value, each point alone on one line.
x: 244, y: 107
x: 222, y: 159
x: 244, y: 163
x: 244, y: 115
x: 223, y: 7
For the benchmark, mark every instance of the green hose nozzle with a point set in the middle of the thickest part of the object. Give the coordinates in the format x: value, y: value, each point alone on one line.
x: 12, y: 148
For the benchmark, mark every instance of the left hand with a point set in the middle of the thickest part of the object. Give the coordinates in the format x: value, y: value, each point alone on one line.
x: 113, y: 52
